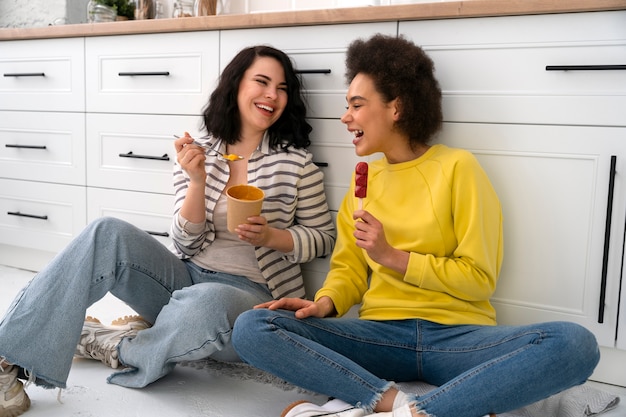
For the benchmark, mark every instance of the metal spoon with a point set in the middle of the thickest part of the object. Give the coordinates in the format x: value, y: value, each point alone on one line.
x: 221, y: 156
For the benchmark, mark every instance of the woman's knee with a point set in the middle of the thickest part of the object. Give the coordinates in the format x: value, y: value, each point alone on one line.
x: 249, y: 326
x: 579, y: 346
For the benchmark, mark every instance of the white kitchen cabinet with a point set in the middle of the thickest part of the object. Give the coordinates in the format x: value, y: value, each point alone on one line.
x: 134, y: 151
x: 318, y: 52
x: 553, y: 183
x: 170, y: 73
x: 42, y: 148
x: 141, y: 91
x: 539, y: 100
x: 40, y: 216
x: 546, y: 69
x: 148, y: 211
x: 42, y: 74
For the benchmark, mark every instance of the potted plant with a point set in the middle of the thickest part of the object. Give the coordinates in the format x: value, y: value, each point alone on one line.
x: 125, y: 9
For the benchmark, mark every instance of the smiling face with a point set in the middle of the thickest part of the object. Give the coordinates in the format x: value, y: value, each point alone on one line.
x: 262, y: 95
x: 369, y: 118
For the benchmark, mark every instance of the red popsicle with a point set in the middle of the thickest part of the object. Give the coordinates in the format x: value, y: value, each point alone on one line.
x: 360, y: 182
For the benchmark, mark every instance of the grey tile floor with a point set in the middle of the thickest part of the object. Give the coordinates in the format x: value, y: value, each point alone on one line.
x: 186, y: 392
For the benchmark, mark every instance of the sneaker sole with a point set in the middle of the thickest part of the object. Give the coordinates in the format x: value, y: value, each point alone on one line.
x: 16, y: 410
x: 135, y: 322
x: 292, y: 406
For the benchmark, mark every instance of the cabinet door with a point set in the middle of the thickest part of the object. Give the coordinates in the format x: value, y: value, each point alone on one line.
x: 42, y: 74
x: 317, y: 51
x: 553, y: 182
x: 40, y: 216
x: 170, y: 73
x: 546, y: 69
x: 149, y: 212
x: 134, y: 152
x: 43, y: 146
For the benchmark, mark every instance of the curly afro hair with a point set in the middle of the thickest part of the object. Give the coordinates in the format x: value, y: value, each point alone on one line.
x: 400, y: 69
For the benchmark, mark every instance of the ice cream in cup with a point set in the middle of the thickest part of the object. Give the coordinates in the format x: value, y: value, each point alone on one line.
x: 243, y: 201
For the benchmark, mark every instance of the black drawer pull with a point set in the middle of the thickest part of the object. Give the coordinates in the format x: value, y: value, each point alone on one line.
x: 30, y: 216
x: 584, y: 67
x: 132, y: 155
x: 162, y: 234
x: 321, y: 164
x: 9, y: 145
x: 24, y: 74
x: 313, y: 71
x: 607, y: 237
x: 144, y: 74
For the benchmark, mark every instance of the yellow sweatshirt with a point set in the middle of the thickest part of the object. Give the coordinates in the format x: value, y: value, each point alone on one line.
x: 443, y: 210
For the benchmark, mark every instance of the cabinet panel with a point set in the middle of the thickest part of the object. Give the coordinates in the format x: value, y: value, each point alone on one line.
x: 43, y: 146
x: 553, y: 183
x: 317, y: 51
x: 524, y: 69
x: 134, y: 152
x: 149, y: 212
x: 40, y: 216
x: 42, y: 74
x: 151, y: 74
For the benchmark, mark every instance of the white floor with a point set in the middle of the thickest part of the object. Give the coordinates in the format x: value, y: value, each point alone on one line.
x: 187, y: 392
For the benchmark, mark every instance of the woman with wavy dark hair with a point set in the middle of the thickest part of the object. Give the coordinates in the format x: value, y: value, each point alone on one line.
x: 291, y: 129
x: 421, y: 251
x: 188, y: 297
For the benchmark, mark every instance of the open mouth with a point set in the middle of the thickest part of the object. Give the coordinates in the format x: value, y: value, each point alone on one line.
x: 357, y: 136
x: 266, y: 108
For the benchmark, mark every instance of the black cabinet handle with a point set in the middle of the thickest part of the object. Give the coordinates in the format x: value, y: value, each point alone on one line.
x: 144, y: 74
x: 9, y: 145
x: 321, y: 164
x: 132, y: 155
x: 607, y: 238
x: 314, y: 71
x: 585, y: 67
x: 162, y: 234
x: 30, y: 216
x: 24, y: 74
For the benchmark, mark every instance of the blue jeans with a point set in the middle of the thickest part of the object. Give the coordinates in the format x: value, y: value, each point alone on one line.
x: 193, y: 310
x: 477, y: 369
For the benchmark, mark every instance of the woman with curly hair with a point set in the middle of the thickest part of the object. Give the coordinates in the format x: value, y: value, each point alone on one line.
x: 189, y: 297
x: 422, y: 257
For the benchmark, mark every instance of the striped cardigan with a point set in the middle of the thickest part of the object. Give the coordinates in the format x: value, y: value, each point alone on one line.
x: 294, y: 200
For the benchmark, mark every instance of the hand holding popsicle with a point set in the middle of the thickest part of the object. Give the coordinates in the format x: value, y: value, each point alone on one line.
x: 360, y: 182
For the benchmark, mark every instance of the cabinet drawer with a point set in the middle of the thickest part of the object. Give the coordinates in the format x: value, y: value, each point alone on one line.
x: 156, y: 73
x: 150, y: 212
x: 318, y: 52
x: 134, y: 152
x: 42, y: 74
x: 529, y: 69
x: 40, y: 216
x: 44, y: 146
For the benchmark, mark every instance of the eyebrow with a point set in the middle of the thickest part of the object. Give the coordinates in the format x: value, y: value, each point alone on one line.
x: 269, y: 79
x: 355, y: 98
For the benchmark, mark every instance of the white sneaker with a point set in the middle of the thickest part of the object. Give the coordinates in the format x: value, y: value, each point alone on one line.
x: 100, y: 342
x: 333, y: 408
x: 13, y: 398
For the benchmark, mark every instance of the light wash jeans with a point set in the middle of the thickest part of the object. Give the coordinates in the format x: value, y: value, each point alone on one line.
x: 478, y: 369
x: 193, y: 310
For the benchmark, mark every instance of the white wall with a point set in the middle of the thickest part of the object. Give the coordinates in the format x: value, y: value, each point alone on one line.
x: 32, y: 13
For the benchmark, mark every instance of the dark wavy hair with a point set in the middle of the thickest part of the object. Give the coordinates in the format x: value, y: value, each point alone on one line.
x: 221, y: 114
x: 401, y: 69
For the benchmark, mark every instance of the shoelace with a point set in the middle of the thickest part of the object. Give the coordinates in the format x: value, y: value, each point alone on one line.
x: 103, y: 352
